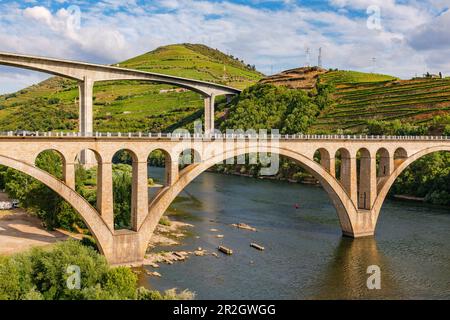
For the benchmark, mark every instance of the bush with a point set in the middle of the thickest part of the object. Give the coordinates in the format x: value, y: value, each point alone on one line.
x: 40, y: 274
x: 53, y: 100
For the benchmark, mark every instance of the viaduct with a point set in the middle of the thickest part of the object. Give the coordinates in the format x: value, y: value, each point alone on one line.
x: 355, y: 171
x: 87, y: 74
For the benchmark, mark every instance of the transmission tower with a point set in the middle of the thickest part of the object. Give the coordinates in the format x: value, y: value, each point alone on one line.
x: 319, y: 59
x: 308, y: 56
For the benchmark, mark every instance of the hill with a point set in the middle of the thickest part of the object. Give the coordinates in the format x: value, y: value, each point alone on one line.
x: 300, y: 78
x: 128, y: 105
x: 361, y: 97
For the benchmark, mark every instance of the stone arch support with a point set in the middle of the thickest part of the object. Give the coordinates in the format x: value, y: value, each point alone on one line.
x: 346, y: 210
x: 90, y: 216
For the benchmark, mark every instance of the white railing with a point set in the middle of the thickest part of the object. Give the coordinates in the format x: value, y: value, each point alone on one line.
x: 161, y: 135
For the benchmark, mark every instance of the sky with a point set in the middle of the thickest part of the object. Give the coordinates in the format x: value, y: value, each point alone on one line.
x: 398, y: 37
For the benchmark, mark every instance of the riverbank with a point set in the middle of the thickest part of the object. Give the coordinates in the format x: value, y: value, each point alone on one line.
x: 20, y: 231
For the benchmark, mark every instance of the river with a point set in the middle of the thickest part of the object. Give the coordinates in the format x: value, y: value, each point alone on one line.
x: 305, y: 256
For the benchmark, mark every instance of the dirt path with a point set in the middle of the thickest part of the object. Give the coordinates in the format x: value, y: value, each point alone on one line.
x: 20, y: 231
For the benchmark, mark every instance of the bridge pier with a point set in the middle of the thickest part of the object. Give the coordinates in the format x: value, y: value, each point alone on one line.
x: 209, y: 114
x: 69, y: 174
x: 367, y: 181
x: 105, y: 194
x: 349, y: 175
x: 127, y: 248
x: 171, y: 168
x: 139, y: 202
x: 86, y: 92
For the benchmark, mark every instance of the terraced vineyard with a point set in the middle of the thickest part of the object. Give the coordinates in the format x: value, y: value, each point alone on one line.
x: 363, y: 97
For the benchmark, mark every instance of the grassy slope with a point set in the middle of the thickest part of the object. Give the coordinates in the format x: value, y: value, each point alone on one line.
x: 361, y: 97
x: 123, y: 105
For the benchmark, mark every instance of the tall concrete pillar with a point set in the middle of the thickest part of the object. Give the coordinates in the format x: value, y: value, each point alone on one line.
x: 139, y: 200
x: 367, y: 181
x: 209, y: 114
x: 69, y: 174
x: 105, y: 203
x: 349, y: 177
x: 86, y: 118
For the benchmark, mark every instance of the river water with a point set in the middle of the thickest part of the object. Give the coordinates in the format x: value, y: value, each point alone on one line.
x: 305, y: 255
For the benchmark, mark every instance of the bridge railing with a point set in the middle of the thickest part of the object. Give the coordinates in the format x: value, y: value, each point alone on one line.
x: 161, y: 135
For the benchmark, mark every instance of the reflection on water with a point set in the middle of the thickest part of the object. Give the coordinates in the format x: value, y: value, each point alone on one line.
x: 306, y: 256
x: 346, y: 275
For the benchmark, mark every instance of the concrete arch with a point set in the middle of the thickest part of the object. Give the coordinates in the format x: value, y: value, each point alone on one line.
x: 189, y: 156
x: 95, y: 72
x: 363, y: 153
x: 62, y: 155
x: 97, y: 155
x: 344, y: 206
x: 398, y: 171
x: 399, y: 156
x: 89, y: 215
x: 134, y: 155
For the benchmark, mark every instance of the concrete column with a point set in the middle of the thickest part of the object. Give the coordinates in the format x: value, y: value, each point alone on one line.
x: 105, y: 203
x: 367, y: 182
x: 332, y: 165
x: 209, y: 114
x: 86, y: 117
x: 171, y: 168
x: 139, y: 195
x: 349, y: 177
x: 69, y: 174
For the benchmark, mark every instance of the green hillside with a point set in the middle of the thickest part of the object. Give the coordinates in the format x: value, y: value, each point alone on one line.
x: 128, y: 105
x: 360, y: 98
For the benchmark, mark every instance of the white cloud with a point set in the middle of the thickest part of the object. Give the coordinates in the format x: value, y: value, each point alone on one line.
x: 113, y: 30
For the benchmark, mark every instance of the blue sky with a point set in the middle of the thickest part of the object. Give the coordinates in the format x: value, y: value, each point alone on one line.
x: 399, y: 37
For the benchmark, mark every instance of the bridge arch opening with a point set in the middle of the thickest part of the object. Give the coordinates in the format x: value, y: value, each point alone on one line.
x: 124, y: 187
x: 53, y: 201
x: 187, y: 157
x: 161, y: 171
x: 416, y: 175
x: 343, y: 166
x: 400, y: 155
x: 88, y: 177
x: 383, y: 163
x: 323, y: 157
x: 52, y: 161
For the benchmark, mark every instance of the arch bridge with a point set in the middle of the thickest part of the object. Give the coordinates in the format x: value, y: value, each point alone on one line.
x: 357, y: 186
